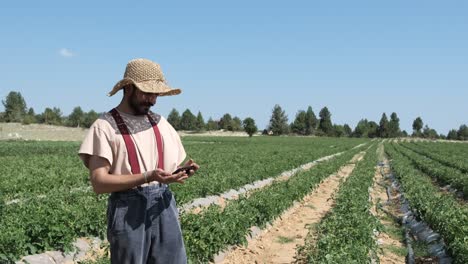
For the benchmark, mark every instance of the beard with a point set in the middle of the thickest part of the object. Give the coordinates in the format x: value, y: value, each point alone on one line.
x: 139, y: 107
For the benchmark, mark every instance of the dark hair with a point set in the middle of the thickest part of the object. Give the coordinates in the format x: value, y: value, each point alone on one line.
x: 128, y: 86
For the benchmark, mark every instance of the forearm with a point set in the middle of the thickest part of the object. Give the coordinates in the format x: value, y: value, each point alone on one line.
x: 104, y: 182
x: 107, y: 183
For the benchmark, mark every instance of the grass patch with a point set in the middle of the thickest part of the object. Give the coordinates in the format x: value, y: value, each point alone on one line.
x: 400, y: 251
x: 395, y: 232
x: 311, y: 206
x: 386, y: 217
x: 284, y: 240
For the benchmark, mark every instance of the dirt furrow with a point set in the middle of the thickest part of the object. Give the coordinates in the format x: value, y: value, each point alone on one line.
x: 199, y: 204
x: 390, y: 239
x: 277, y: 243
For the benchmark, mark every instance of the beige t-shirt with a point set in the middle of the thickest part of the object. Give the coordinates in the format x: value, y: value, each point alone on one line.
x: 105, y: 140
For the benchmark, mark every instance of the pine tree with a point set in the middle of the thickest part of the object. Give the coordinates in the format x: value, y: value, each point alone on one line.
x: 211, y: 125
x: 76, y: 118
x: 347, y: 129
x: 89, y: 118
x: 383, y: 126
x: 30, y: 117
x: 452, y: 135
x: 463, y: 132
x: 226, y: 122
x: 417, y: 126
x: 15, y: 107
x: 200, y: 124
x: 278, y: 121
x: 394, y: 126
x: 362, y: 129
x: 188, y: 121
x: 174, y: 119
x: 299, y: 126
x: 236, y: 124
x: 325, y: 123
x: 311, y: 121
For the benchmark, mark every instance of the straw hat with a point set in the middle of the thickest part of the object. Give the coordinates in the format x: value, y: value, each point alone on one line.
x: 146, y: 76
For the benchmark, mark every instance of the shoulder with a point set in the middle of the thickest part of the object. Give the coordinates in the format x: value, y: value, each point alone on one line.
x: 164, y: 123
x: 105, y: 124
x: 105, y: 120
x: 156, y: 117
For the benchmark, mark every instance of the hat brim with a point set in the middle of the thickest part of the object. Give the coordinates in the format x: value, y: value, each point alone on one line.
x: 151, y: 86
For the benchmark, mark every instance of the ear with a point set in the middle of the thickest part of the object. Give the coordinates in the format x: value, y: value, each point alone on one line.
x: 128, y: 89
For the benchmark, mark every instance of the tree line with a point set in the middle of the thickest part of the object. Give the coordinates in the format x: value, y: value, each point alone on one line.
x: 305, y: 122
x: 16, y: 110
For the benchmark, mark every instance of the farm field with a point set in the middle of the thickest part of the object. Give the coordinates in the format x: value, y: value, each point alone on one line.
x: 46, y: 201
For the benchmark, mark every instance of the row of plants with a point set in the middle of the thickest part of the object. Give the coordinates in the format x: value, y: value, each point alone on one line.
x: 215, y: 229
x: 444, y: 153
x: 31, y: 169
x: 51, y: 223
x: 54, y: 204
x: 229, y: 163
x: 442, y: 173
x: 345, y: 235
x: 440, y: 210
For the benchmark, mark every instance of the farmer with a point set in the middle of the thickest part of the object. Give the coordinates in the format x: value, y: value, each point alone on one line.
x: 132, y: 153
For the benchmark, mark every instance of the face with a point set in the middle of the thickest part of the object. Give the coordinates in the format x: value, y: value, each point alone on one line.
x: 141, y: 102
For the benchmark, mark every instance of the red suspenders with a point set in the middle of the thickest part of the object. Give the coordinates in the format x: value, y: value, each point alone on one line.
x: 131, y: 150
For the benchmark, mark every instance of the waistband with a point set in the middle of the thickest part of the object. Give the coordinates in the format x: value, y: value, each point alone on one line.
x: 142, y: 191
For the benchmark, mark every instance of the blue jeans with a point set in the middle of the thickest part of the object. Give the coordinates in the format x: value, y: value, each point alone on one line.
x: 143, y: 227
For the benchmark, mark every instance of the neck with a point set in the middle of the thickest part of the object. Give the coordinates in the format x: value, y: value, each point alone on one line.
x: 125, y: 108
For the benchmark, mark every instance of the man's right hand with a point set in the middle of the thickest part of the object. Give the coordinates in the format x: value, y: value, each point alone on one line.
x: 167, y: 177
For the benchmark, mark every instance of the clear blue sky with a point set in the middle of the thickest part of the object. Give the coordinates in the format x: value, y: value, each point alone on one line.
x: 358, y: 58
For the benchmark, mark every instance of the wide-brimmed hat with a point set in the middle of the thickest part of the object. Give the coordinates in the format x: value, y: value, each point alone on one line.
x: 146, y: 76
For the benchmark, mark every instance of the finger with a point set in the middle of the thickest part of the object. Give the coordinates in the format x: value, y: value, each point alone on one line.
x: 189, y: 162
x: 175, y: 177
x: 182, y: 179
x: 179, y: 181
x: 183, y: 174
x: 163, y: 173
x: 166, y: 173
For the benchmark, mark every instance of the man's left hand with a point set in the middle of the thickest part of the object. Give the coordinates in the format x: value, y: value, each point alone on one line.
x: 190, y: 162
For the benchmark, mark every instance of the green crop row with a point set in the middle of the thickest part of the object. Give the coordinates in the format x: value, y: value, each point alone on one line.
x: 441, y: 211
x: 52, y: 223
x: 441, y: 152
x: 215, y: 229
x: 28, y: 170
x: 345, y: 235
x: 443, y: 174
x: 229, y: 163
x: 46, y: 202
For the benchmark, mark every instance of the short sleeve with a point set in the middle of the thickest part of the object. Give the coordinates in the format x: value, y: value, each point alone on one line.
x: 97, y: 143
x: 181, y: 153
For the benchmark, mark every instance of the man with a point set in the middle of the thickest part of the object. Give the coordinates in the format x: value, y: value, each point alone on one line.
x: 131, y: 153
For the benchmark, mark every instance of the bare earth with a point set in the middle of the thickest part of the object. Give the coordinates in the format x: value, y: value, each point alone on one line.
x: 18, y: 131
x: 292, y: 226
x: 379, y: 195
x: 231, y: 195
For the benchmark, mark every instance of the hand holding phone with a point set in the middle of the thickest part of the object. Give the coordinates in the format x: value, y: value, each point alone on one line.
x: 184, y: 168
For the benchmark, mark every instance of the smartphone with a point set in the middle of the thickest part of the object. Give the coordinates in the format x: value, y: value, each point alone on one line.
x: 186, y: 168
